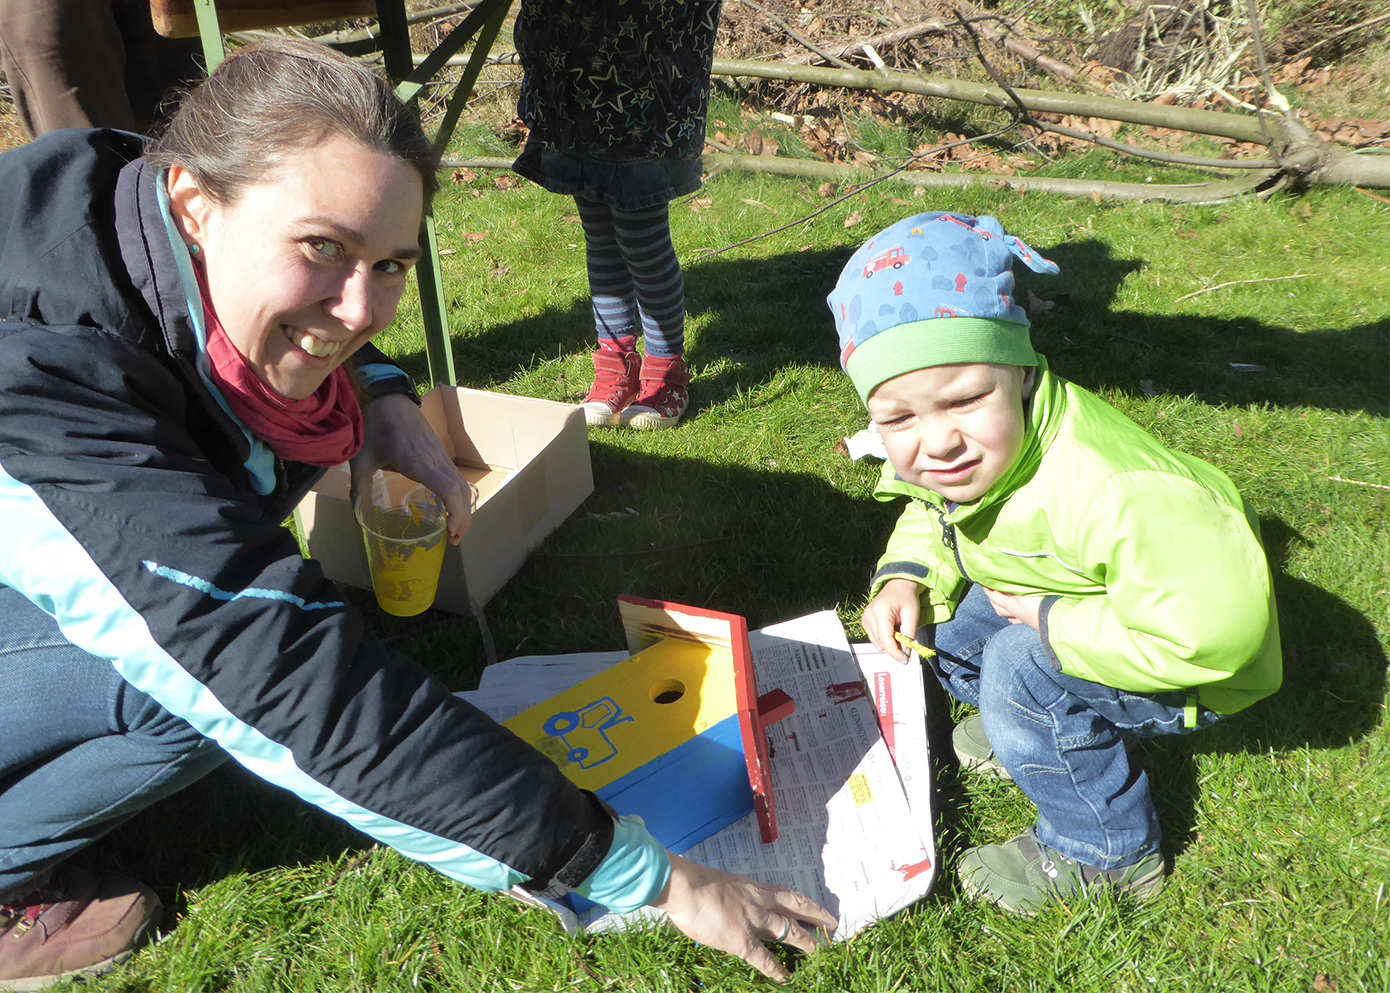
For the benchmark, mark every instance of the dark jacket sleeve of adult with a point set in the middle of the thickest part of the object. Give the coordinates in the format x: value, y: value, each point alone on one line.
x: 126, y: 515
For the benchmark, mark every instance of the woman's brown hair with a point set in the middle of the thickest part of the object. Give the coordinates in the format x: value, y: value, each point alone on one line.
x: 276, y: 97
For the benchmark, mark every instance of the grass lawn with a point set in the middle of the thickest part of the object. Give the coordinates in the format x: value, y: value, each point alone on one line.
x: 1277, y: 823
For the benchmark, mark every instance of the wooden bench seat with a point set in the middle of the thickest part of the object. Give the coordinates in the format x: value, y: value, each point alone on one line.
x: 178, y: 19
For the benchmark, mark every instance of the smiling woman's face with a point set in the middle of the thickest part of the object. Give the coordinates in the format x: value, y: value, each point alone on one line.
x: 311, y: 262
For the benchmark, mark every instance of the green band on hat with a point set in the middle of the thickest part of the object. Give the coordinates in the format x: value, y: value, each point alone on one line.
x: 939, y: 341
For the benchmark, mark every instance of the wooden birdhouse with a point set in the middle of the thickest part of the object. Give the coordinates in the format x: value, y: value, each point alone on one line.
x: 675, y: 732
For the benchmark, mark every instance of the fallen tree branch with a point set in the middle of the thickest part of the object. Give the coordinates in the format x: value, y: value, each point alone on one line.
x: 1358, y: 482
x: 1238, y: 282
x: 936, y: 25
x: 888, y: 38
x: 1302, y: 154
x: 1340, y: 34
x: 362, y: 40
x: 1017, y: 109
x: 1272, y: 96
x: 1188, y: 193
x: 1023, y: 50
x: 798, y: 38
x: 1144, y: 153
x: 853, y: 191
x: 1083, y: 104
x: 477, y: 162
x: 1194, y: 193
x: 1021, y: 114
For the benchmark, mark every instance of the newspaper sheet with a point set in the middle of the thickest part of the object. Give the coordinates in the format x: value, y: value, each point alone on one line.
x: 516, y: 685
x: 900, y: 702
x: 855, y: 831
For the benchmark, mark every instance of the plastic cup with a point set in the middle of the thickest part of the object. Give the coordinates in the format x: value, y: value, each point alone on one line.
x: 403, y: 528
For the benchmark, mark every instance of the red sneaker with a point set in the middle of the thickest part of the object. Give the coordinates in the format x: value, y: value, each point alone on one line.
x: 75, y: 924
x: 664, y: 394
x: 615, y: 386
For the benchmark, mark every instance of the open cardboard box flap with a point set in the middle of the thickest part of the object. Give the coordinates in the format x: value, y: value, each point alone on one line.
x: 527, y: 458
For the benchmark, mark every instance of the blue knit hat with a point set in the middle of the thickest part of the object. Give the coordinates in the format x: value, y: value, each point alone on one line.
x: 935, y: 289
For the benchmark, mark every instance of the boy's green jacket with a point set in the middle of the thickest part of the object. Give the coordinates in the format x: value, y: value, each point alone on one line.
x: 1148, y: 561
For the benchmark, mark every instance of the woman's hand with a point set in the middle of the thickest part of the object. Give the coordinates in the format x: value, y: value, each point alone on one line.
x: 1015, y: 609
x: 396, y: 436
x: 896, y: 608
x: 736, y: 914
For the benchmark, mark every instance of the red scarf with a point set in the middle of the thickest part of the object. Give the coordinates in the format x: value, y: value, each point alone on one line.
x: 324, y: 429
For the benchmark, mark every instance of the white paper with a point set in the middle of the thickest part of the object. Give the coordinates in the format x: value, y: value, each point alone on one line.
x: 867, y: 443
x: 516, y: 685
x: 900, y: 701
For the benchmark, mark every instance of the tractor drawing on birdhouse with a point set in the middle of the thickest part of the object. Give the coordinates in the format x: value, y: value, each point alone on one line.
x: 582, y: 731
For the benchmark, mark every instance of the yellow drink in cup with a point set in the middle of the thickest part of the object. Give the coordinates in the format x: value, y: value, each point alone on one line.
x: 403, y: 528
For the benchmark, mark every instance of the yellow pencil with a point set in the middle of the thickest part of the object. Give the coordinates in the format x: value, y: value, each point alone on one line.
x: 907, y: 642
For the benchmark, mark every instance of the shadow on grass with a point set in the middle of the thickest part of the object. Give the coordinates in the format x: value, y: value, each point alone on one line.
x: 768, y: 313
x: 763, y: 314
x: 768, y: 545
x: 1100, y: 348
x: 1332, y: 695
x: 228, y: 822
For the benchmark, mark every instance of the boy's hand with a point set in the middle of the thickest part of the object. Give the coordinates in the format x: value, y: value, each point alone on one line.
x: 896, y: 608
x: 1015, y: 609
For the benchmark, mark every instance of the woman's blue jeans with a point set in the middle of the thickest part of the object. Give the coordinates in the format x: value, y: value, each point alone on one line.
x: 80, y: 750
x: 1061, y: 738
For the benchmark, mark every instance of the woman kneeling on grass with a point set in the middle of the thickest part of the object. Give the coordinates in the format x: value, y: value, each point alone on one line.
x: 187, y: 347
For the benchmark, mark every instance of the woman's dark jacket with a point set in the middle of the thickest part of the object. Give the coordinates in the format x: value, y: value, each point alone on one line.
x: 126, y: 512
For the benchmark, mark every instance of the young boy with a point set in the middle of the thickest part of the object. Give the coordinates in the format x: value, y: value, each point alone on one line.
x: 1086, y: 585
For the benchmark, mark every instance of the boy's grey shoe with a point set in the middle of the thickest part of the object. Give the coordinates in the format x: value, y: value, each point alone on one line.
x: 974, y: 750
x: 1024, y: 875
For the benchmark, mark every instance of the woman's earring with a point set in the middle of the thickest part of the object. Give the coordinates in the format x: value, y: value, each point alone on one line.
x: 194, y: 249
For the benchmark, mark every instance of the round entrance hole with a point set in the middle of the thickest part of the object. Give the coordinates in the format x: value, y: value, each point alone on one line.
x: 668, y: 691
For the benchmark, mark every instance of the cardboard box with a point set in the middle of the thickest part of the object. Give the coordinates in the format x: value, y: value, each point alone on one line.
x: 527, y: 458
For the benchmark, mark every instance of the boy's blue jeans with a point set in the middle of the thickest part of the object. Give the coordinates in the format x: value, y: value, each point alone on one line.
x: 1061, y: 738
x: 80, y: 749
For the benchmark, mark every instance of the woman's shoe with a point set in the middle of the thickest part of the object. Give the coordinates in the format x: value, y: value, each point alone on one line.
x: 76, y: 924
